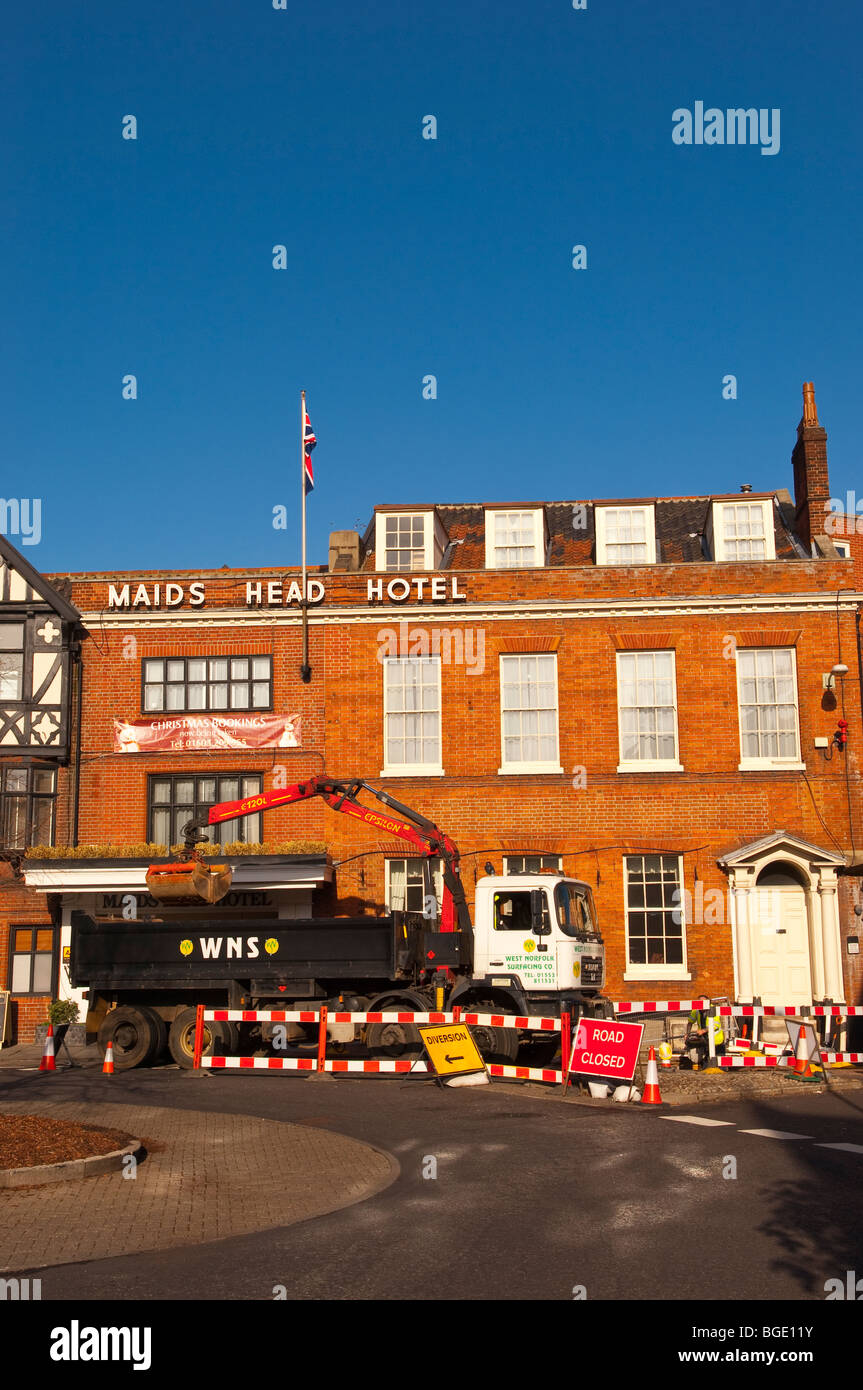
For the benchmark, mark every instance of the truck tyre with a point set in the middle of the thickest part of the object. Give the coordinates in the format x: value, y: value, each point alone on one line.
x: 161, y: 1031
x: 132, y: 1031
x: 221, y: 1038
x: 393, y: 1039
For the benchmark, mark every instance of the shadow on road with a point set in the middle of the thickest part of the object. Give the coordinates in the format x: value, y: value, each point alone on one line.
x: 809, y: 1220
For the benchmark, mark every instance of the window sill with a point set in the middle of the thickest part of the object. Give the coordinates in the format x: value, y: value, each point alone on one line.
x: 658, y: 972
x: 768, y: 765
x: 521, y: 769
x: 647, y: 766
x: 410, y: 770
x: 623, y: 564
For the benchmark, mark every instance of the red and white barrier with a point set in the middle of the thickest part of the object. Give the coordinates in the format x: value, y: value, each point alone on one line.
x: 382, y: 1064
x: 828, y: 1058
x: 525, y: 1073
x: 790, y: 1010
x: 659, y: 1006
x: 524, y: 1022
x: 683, y: 1006
x: 374, y: 1066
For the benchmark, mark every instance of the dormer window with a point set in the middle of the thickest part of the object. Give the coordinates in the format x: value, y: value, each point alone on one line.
x: 625, y: 535
x: 514, y: 539
x: 743, y: 530
x: 407, y: 541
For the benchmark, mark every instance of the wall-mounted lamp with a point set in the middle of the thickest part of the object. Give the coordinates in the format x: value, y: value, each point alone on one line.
x: 828, y: 679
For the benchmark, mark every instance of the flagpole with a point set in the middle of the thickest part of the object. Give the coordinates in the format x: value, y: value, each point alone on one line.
x: 305, y: 669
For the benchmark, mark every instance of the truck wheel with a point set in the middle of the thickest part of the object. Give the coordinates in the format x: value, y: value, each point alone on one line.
x: 393, y: 1040
x: 161, y: 1032
x: 495, y: 1044
x: 133, y: 1033
x: 222, y: 1038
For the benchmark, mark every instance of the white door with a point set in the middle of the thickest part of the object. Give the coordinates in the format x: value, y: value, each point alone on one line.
x: 781, y: 947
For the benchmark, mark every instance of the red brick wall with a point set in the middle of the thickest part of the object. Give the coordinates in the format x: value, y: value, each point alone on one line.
x: 701, y: 813
x: 708, y: 809
x: 20, y: 907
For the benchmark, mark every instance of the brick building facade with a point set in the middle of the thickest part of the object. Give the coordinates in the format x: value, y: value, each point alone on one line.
x: 631, y: 689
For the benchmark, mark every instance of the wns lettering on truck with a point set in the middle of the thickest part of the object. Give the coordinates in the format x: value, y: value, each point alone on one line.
x: 229, y: 947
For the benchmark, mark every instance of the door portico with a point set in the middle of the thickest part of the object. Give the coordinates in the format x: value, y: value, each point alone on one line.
x: 785, y: 928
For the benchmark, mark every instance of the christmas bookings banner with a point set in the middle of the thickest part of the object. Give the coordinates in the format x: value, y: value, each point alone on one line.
x: 188, y: 732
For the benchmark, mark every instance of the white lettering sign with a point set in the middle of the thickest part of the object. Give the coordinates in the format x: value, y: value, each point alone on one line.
x: 272, y: 593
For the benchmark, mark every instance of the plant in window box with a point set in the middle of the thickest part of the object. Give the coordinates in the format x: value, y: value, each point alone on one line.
x: 101, y: 851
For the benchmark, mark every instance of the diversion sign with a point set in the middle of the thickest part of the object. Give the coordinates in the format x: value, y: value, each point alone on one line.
x: 606, y: 1049
x: 451, y: 1049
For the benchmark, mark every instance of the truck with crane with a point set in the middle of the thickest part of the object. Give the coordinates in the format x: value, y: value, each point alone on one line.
x: 534, y: 949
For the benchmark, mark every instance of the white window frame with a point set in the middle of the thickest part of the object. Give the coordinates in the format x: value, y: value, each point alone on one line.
x: 748, y: 764
x: 719, y: 508
x: 655, y: 972
x: 648, y: 764
x: 842, y: 548
x: 508, y: 869
x: 600, y: 519
x: 428, y: 519
x: 411, y: 769
x: 519, y: 768
x: 436, y: 866
x: 537, y: 516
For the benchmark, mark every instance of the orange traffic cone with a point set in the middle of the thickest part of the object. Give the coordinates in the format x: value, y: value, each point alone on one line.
x: 651, y: 1086
x: 108, y: 1064
x: 801, y: 1066
x: 48, y: 1062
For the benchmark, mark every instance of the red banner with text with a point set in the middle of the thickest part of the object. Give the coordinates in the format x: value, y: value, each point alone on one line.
x: 184, y: 733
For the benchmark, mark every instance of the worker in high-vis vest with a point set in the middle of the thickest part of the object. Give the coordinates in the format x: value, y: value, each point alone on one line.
x: 697, y: 1035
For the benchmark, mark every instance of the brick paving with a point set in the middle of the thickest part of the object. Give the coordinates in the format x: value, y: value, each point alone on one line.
x: 207, y: 1176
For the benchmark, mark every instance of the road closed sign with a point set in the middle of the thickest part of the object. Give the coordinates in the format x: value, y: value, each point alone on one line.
x: 451, y: 1049
x: 605, y: 1048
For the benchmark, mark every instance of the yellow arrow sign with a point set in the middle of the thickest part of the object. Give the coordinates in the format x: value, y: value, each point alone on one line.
x: 451, y: 1048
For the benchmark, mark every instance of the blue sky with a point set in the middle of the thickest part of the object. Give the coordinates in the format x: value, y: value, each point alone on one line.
x: 409, y: 257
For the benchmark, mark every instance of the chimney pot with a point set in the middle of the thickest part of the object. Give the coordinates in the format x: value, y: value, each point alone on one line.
x: 810, y: 409
x: 745, y: 487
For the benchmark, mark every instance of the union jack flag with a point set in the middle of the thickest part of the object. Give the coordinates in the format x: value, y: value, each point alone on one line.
x: 309, y: 442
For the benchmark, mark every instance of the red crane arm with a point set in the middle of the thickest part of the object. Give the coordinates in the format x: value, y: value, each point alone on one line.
x: 342, y: 796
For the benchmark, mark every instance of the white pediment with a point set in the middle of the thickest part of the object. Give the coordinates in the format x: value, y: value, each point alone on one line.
x: 777, y: 845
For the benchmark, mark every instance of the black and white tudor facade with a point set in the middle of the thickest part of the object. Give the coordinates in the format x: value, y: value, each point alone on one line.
x: 40, y: 638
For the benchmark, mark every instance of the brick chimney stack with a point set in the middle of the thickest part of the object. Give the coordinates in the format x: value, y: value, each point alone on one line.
x: 811, y: 481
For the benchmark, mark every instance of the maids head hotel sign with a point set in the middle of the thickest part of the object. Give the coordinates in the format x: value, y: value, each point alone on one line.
x: 275, y: 593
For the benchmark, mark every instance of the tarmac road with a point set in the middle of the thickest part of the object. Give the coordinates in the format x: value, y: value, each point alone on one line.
x: 515, y: 1195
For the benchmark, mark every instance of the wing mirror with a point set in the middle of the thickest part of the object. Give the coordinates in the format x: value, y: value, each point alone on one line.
x: 537, y: 913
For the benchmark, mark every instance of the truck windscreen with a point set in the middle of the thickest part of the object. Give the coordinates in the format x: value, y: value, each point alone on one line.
x: 572, y: 910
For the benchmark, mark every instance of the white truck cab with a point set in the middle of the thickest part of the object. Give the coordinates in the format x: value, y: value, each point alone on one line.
x: 538, y: 933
